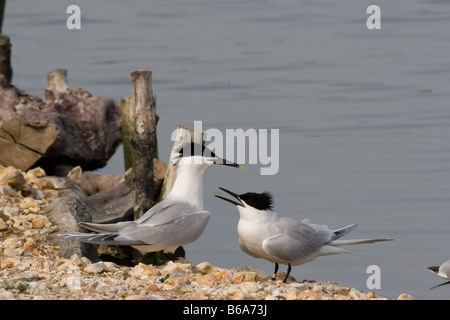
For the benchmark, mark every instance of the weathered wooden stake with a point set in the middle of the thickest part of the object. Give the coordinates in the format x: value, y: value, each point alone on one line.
x: 2, y: 13
x: 57, y: 80
x: 127, y: 109
x: 5, y: 48
x: 126, y: 106
x: 143, y: 143
x: 183, y: 134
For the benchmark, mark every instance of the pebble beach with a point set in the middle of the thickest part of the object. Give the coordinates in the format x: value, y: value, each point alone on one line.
x: 31, y: 269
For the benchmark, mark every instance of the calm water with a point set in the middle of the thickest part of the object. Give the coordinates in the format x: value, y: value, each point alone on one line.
x: 363, y: 115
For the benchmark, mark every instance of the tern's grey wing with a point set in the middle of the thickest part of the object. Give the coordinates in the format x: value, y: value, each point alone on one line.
x: 163, y: 213
x: 180, y: 231
x: 296, y: 243
x: 153, y: 210
x: 303, y: 230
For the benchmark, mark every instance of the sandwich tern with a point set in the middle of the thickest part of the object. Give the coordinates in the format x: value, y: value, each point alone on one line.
x: 443, y: 271
x: 177, y: 220
x: 264, y: 233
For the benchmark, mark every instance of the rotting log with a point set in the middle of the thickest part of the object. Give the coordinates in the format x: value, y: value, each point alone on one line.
x: 71, y: 127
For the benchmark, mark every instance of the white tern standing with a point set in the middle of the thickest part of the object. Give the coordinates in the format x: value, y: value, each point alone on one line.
x: 264, y: 233
x: 176, y: 221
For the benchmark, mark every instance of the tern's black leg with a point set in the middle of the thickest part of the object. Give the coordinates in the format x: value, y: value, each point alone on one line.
x: 288, y: 272
x: 275, y: 272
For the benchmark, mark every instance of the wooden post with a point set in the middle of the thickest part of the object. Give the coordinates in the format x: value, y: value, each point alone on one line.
x: 126, y: 106
x: 143, y: 142
x: 5, y: 48
x: 127, y: 109
x: 183, y: 134
x: 2, y: 13
x: 57, y: 80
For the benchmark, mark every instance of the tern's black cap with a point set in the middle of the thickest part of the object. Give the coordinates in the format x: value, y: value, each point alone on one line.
x: 260, y: 201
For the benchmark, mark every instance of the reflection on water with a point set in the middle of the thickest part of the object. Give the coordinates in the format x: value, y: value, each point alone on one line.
x: 363, y: 115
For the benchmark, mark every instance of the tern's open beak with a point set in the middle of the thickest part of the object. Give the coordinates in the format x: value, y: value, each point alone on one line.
x: 240, y: 203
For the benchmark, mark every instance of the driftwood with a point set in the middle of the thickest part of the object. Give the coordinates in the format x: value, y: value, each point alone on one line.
x: 183, y: 134
x: 108, y: 198
x: 70, y: 127
x: 67, y: 212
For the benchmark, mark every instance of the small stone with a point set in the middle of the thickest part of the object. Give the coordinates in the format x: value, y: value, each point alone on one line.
x: 74, y: 283
x: 171, y: 267
x: 184, y: 287
x: 43, y: 184
x: 38, y: 288
x: 356, y: 295
x: 152, y: 288
x: 3, y: 225
x: 110, y: 266
x: 13, y: 252
x: 40, y: 222
x: 245, y: 276
x: 224, y: 275
x: 11, y: 211
x: 142, y: 271
x: 341, y: 291
x: 7, y: 191
x: 11, y: 176
x: 308, y: 295
x: 4, y: 264
x: 12, y: 243
x: 63, y: 264
x: 206, y: 267
x: 250, y: 287
x: 102, y: 287
x: 208, y: 279
x: 94, y: 268
x: 29, y: 203
x: 29, y: 245
x: 289, y: 294
x: 317, y: 288
x: 33, y: 174
x: 6, y: 295
x: 235, y: 293
x: 405, y: 296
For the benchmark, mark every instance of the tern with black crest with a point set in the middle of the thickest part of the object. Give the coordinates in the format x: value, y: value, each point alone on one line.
x: 177, y: 220
x: 264, y: 233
